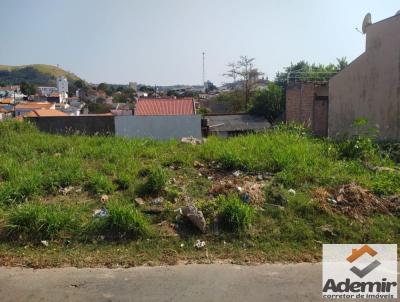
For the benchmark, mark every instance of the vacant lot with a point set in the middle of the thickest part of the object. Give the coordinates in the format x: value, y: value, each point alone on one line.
x: 106, y: 201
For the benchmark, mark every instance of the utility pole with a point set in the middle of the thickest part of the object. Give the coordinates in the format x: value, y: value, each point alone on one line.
x: 204, y: 78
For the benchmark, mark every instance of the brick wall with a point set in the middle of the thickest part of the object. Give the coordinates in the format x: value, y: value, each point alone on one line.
x: 300, y: 103
x: 307, y: 103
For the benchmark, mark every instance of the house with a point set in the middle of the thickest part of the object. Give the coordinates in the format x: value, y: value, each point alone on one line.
x: 7, y: 101
x: 13, y: 91
x: 226, y: 125
x: 307, y: 104
x: 5, y: 114
x: 23, y: 109
x: 62, y: 85
x: 56, y: 97
x: 142, y: 94
x: 46, y: 91
x: 93, y: 95
x: 73, y: 100
x: 165, y: 106
x: 369, y: 87
x: 45, y: 112
x: 122, y: 109
x: 38, y: 98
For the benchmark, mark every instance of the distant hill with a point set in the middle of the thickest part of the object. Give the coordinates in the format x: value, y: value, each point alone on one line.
x: 39, y: 74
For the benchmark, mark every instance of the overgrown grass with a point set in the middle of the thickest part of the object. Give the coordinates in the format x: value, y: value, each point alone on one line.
x: 35, y: 221
x: 156, y: 179
x: 123, y: 221
x: 235, y: 216
x: 34, y: 166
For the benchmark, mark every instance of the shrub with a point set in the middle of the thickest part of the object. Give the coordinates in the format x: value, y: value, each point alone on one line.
x: 123, y: 221
x: 360, y: 145
x: 35, y: 221
x: 235, y: 216
x: 391, y: 149
x: 155, y: 182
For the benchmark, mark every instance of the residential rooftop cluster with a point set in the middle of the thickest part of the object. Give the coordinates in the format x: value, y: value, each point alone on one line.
x: 328, y: 102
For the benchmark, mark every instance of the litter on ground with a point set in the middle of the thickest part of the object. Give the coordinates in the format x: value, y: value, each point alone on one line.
x: 357, y: 202
x: 100, y: 213
x: 199, y: 244
x: 104, y: 198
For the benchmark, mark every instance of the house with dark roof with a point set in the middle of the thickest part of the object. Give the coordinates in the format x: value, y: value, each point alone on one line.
x: 165, y: 106
x: 226, y: 125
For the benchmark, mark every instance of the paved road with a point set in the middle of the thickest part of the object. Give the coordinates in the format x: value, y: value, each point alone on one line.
x: 215, y: 282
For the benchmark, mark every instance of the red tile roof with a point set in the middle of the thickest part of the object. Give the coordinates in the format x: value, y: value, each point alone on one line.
x: 34, y: 105
x: 165, y: 107
x: 46, y: 112
x: 2, y: 110
x: 7, y: 101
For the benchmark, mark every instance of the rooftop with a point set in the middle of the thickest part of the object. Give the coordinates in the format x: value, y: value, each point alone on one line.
x: 46, y: 112
x: 236, y: 122
x: 34, y: 105
x: 165, y: 106
x: 6, y: 101
x: 2, y: 110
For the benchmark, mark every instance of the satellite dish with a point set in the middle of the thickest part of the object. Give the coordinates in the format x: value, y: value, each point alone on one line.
x: 367, y: 21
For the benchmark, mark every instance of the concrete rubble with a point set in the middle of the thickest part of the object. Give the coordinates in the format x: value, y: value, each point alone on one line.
x: 195, y: 216
x: 192, y: 140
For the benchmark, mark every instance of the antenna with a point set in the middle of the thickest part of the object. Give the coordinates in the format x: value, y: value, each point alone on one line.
x: 367, y: 22
x: 204, y: 78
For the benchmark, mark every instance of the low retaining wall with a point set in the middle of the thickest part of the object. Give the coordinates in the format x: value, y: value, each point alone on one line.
x: 158, y: 127
x: 88, y: 125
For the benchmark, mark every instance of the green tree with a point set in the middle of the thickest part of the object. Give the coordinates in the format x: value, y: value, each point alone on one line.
x: 148, y: 89
x: 341, y: 63
x: 28, y: 88
x: 269, y: 102
x: 106, y: 88
x: 96, y: 108
x: 304, y: 71
x: 171, y: 93
x: 233, y: 101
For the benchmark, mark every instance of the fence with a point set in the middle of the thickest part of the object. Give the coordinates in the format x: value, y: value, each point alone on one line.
x: 156, y: 127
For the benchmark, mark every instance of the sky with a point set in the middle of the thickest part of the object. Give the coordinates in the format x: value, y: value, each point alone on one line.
x: 160, y: 42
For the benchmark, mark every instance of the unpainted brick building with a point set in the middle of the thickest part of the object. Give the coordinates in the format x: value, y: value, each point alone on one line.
x: 308, y: 103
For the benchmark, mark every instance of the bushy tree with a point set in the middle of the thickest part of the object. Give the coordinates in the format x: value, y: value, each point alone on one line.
x: 28, y: 88
x: 269, y: 102
x: 108, y: 89
x: 304, y: 71
x: 233, y: 99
